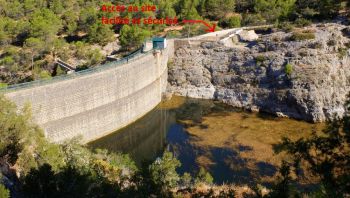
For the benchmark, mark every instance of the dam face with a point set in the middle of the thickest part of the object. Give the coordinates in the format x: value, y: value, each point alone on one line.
x: 96, y: 104
x: 92, y: 105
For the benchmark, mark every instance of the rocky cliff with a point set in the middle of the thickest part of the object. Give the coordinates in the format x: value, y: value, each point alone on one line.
x: 304, y: 74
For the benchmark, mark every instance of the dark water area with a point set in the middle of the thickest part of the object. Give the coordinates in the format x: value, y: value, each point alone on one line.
x: 233, y: 145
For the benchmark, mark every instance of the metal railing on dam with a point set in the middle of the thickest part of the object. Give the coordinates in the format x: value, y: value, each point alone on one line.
x: 129, y: 58
x: 97, y: 101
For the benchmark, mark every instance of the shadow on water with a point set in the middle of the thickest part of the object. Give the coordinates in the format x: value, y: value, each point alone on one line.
x: 173, y: 129
x: 226, y: 165
x: 143, y: 140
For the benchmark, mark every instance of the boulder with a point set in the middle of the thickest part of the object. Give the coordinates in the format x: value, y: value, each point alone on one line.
x: 248, y: 36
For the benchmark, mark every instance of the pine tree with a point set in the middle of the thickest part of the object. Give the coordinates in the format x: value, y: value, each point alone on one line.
x: 188, y: 9
x: 132, y: 36
x: 214, y: 9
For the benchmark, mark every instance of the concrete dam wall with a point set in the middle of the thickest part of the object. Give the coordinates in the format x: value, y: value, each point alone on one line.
x: 99, y: 103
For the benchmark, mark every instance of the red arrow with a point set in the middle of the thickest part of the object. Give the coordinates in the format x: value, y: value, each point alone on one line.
x: 210, y: 28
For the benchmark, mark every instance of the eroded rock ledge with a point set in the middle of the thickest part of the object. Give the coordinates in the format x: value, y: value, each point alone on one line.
x: 253, y: 75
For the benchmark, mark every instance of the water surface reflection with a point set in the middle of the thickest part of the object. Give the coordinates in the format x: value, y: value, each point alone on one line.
x: 233, y: 145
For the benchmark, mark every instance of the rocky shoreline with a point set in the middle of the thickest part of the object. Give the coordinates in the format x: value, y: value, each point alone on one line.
x: 303, y: 74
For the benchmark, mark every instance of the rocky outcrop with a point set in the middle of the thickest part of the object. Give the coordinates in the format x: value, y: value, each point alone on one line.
x: 305, y: 79
x: 248, y: 36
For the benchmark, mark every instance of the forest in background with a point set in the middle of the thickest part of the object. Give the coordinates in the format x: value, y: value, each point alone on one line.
x: 33, y: 33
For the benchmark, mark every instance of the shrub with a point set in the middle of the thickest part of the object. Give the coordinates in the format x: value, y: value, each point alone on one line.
x: 316, y: 45
x: 234, y: 21
x: 163, y: 171
x: 3, y: 85
x: 324, y: 155
x: 204, y: 177
x: 80, y: 49
x: 44, y: 74
x: 342, y: 52
x: 309, y: 31
x: 300, y: 36
x: 60, y: 71
x: 253, y: 19
x: 132, y: 37
x: 259, y: 59
x: 100, y: 33
x: 94, y: 56
x: 288, y: 69
x: 231, y: 22
x: 347, y: 45
x: 302, y: 22
x: 195, y: 29
x: 173, y: 34
x: 186, y: 180
x: 332, y: 42
x: 8, y: 60
x: 286, y: 26
x: 4, y: 193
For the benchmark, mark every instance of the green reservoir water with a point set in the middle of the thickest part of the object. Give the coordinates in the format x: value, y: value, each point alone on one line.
x: 233, y: 145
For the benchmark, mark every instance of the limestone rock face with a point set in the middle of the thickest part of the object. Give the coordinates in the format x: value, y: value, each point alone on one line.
x: 255, y: 76
x: 248, y: 36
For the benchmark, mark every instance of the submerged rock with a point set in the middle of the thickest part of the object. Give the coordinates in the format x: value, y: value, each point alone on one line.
x: 304, y: 79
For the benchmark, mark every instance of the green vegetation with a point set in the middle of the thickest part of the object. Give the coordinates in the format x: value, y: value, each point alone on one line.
x: 163, y: 172
x: 204, y: 177
x: 44, y: 75
x: 3, y: 85
x: 35, y: 33
x: 187, y: 9
x: 332, y: 42
x: 4, y: 193
x: 288, y: 69
x: 58, y: 170
x: 59, y: 71
x: 231, y: 22
x: 286, y: 26
x: 302, y: 22
x: 259, y: 60
x: 342, y: 52
x: 301, y: 36
x: 274, y: 10
x: 326, y: 155
x: 216, y: 9
x: 132, y: 36
x: 38, y: 32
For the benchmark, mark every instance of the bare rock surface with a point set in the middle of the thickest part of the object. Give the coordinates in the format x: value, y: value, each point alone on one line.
x: 248, y: 36
x: 255, y: 77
